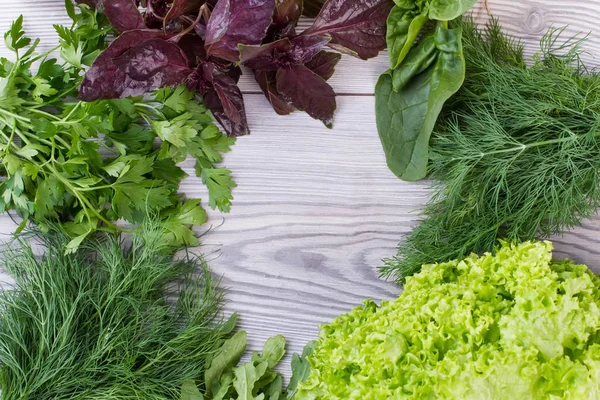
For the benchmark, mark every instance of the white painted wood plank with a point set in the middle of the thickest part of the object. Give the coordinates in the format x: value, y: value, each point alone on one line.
x: 526, y: 19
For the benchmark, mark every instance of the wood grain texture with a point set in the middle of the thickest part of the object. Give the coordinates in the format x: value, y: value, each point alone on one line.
x: 315, y: 210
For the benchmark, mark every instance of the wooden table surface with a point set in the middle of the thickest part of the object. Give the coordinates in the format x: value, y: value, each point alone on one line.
x: 315, y: 210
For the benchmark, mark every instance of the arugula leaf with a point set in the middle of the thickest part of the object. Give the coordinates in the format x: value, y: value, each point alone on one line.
x: 300, y: 369
x: 273, y: 351
x: 246, y: 376
x: 229, y: 355
x: 189, y: 391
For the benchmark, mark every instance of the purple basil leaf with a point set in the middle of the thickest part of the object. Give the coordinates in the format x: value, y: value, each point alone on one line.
x: 283, y: 53
x: 155, y: 13
x: 181, y: 7
x: 285, y: 18
x: 270, y: 56
x: 105, y: 80
x: 123, y: 15
x: 155, y: 60
x: 305, y: 48
x: 268, y: 84
x: 323, y: 64
x: 193, y: 48
x: 308, y: 92
x: 356, y: 27
x: 229, y: 69
x: 312, y: 7
x: 234, y: 22
x: 222, y: 96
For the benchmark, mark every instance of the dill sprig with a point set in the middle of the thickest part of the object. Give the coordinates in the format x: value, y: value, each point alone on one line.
x: 516, y: 153
x: 102, y: 323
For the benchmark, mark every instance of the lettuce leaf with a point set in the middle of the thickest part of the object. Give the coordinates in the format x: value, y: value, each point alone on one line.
x: 511, y: 325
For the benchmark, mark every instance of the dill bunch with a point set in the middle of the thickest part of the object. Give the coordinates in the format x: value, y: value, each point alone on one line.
x: 515, y: 154
x: 102, y: 322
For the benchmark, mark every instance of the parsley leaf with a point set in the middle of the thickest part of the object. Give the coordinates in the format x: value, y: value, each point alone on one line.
x: 85, y: 166
x: 219, y: 183
x: 15, y: 37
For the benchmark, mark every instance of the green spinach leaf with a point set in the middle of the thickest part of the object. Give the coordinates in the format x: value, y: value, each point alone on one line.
x: 405, y: 119
x: 446, y: 10
x: 418, y: 60
x: 403, y: 26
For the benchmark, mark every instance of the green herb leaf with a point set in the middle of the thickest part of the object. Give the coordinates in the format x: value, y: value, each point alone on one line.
x: 176, y: 131
x: 300, y: 369
x: 15, y: 38
x: 403, y: 26
x: 189, y: 391
x: 229, y: 355
x: 419, y: 58
x: 73, y: 245
x: 447, y: 10
x: 246, y: 376
x: 176, y: 99
x: 178, y: 220
x: 219, y: 183
x: 406, y: 119
x: 100, y: 156
x: 273, y: 351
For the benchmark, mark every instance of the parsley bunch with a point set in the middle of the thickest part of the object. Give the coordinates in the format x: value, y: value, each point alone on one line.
x: 87, y: 165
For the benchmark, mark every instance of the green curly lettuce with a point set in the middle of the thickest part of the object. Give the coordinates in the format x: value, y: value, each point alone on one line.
x: 514, y: 325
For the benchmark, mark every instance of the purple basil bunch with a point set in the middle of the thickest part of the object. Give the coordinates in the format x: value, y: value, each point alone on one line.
x: 202, y: 43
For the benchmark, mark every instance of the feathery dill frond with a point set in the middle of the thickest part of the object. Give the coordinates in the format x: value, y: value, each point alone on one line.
x: 103, y: 322
x: 516, y: 153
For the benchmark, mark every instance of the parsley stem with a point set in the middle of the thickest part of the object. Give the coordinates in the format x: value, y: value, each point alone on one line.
x: 71, y: 112
x: 33, y: 136
x: 9, y: 140
x: 44, y: 113
x: 63, y: 142
x: 83, y: 201
x: 66, y: 92
x: 15, y: 116
x: 22, y: 136
x: 91, y: 189
x: 45, y: 54
x: 156, y: 110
